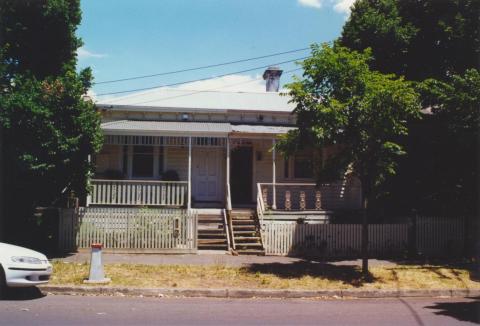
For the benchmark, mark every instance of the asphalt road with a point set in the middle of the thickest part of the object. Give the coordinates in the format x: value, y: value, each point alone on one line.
x: 84, y: 310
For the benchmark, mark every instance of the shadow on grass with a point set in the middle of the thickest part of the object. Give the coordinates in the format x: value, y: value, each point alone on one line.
x: 23, y: 294
x: 468, y: 311
x: 435, y: 264
x: 348, y: 274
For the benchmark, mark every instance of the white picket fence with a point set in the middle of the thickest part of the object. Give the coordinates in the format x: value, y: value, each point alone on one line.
x: 440, y: 235
x: 128, y: 229
x: 434, y: 237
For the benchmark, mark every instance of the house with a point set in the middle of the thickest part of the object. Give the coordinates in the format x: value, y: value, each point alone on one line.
x: 211, y: 151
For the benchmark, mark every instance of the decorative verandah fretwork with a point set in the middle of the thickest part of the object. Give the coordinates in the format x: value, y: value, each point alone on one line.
x: 165, y: 141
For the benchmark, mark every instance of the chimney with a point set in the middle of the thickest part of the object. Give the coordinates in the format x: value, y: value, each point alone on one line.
x: 272, y: 76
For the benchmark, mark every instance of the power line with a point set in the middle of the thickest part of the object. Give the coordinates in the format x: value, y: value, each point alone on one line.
x: 211, y: 90
x: 199, y: 68
x: 201, y: 79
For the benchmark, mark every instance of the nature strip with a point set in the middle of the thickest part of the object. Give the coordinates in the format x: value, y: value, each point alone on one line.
x: 253, y: 293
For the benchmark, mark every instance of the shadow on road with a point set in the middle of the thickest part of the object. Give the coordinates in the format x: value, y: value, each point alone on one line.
x: 23, y: 294
x: 464, y: 311
x: 348, y: 274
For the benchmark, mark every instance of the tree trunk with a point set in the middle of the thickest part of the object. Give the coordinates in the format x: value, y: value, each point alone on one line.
x: 364, y: 235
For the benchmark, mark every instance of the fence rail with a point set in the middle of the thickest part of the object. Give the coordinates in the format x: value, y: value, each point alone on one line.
x: 139, y: 192
x: 432, y: 236
x: 129, y: 229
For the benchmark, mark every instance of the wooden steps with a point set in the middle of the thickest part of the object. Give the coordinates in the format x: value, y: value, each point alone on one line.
x: 211, y: 232
x: 246, y: 233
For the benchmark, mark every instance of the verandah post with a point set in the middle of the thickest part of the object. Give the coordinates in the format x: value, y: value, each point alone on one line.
x: 189, y: 194
x: 229, y: 203
x: 274, y: 177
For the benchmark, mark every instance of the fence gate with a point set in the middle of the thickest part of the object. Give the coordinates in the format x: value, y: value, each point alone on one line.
x: 129, y: 229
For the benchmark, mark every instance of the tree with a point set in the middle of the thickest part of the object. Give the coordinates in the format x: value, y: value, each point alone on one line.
x: 340, y: 100
x: 455, y: 104
x: 49, y: 129
x: 416, y: 39
x: 436, y: 44
x: 38, y: 36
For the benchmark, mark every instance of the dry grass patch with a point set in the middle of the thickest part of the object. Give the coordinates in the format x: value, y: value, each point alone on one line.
x: 301, y: 276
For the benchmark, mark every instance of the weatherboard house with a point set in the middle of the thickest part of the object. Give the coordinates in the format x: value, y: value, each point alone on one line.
x: 211, y: 152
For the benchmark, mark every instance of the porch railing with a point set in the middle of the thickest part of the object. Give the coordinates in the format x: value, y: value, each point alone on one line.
x: 139, y: 192
x: 307, y: 196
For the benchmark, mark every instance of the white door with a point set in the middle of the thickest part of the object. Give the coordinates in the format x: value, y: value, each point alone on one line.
x: 206, y: 175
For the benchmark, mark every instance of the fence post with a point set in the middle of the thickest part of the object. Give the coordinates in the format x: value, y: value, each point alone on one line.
x: 412, y: 234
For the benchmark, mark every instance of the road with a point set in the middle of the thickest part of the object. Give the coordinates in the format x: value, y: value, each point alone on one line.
x: 84, y: 310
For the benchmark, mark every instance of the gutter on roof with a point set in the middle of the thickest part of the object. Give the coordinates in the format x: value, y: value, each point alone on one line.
x: 131, y: 108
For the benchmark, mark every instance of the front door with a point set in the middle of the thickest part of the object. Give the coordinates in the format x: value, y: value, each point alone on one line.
x: 206, y: 165
x: 241, y: 175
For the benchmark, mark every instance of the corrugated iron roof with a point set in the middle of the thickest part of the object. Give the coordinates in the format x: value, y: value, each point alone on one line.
x: 164, y: 98
x: 188, y: 128
x: 255, y: 129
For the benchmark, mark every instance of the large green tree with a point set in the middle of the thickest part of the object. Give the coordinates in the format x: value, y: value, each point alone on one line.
x: 38, y: 36
x: 49, y: 129
x: 341, y: 102
x: 416, y: 39
x: 437, y: 45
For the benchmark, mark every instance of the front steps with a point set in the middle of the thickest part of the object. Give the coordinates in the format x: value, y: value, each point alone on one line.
x: 211, y: 231
x: 246, y: 233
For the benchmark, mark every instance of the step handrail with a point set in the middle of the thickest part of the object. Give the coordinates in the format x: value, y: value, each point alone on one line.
x: 227, y: 228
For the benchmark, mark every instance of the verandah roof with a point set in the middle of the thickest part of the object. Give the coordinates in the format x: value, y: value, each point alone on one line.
x: 212, y: 129
x: 133, y: 127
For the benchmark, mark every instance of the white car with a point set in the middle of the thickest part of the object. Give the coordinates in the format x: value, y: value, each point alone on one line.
x: 22, y: 267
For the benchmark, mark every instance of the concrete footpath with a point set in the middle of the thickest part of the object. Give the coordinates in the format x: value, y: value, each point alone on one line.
x: 205, y: 258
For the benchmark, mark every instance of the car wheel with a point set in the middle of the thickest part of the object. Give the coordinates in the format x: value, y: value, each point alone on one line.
x: 3, y: 284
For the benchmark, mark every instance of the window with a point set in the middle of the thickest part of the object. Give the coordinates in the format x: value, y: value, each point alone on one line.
x: 302, y: 166
x: 142, y: 161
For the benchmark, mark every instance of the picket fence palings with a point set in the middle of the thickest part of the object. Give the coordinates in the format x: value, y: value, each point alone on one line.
x: 127, y: 228
x: 435, y: 236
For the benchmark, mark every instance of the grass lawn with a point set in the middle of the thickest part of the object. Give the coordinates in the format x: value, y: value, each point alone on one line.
x: 300, y: 276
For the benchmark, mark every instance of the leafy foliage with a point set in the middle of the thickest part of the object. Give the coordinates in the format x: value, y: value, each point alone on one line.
x: 49, y: 129
x: 440, y: 173
x: 341, y: 102
x: 417, y: 39
x: 49, y: 132
x: 436, y: 44
x: 38, y: 36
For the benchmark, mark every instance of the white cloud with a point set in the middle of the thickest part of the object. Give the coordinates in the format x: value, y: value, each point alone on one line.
x: 235, y: 83
x: 83, y: 53
x: 343, y: 6
x: 311, y: 3
x: 340, y: 6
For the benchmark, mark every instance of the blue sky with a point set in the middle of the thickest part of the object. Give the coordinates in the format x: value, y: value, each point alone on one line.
x: 131, y: 38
